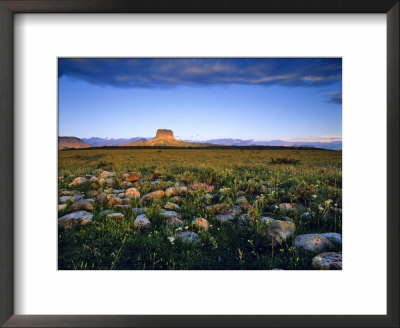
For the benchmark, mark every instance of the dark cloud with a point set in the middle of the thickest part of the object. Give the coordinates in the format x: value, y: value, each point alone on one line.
x: 169, y: 72
x: 334, y: 97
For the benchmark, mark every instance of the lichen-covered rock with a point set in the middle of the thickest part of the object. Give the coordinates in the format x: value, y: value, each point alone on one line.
x: 83, y: 204
x: 102, y: 198
x: 328, y: 261
x: 175, y: 222
x: 280, y: 231
x: 241, y: 201
x: 62, y: 207
x: 116, y: 216
x: 123, y: 206
x: 189, y: 237
x: 171, y: 206
x: 150, y: 196
x: 114, y: 201
x: 132, y: 177
x: 175, y: 191
x: 312, y: 243
x: 79, y: 217
x: 176, y: 199
x: 138, y: 210
x: 334, y: 237
x: 106, y: 174
x: 285, y: 206
x: 142, y: 222
x: 201, y: 223
x: 244, y: 220
x: 169, y: 214
x: 77, y: 181
x: 132, y: 193
x: 228, y: 215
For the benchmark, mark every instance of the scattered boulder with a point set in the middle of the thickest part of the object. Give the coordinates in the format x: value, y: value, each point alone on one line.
x: 114, y: 201
x: 83, y: 204
x: 150, y: 196
x: 62, y: 207
x: 123, y: 206
x: 241, y: 201
x: 105, y: 212
x: 126, y: 184
x: 189, y: 237
x: 106, y: 174
x: 116, y: 216
x: 132, y: 193
x: 334, y: 237
x: 244, y: 220
x: 142, y: 222
x: 229, y: 215
x: 171, y: 206
x: 132, y: 177
x: 169, y: 214
x: 201, y: 223
x: 74, y: 218
x: 78, y: 181
x: 65, y: 192
x: 266, y: 219
x: 137, y: 210
x: 91, y: 178
x: 126, y: 201
x: 312, y: 243
x: 175, y: 222
x: 285, y: 206
x: 328, y: 261
x: 306, y: 216
x: 121, y: 195
x: 102, y: 198
x: 175, y: 191
x: 155, y: 182
x: 280, y: 230
x: 176, y: 199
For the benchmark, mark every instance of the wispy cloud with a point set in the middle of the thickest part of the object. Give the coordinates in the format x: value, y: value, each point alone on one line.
x: 308, y: 139
x: 334, y: 97
x: 167, y: 72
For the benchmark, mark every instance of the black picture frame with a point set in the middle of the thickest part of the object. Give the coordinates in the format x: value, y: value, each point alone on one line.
x: 10, y: 7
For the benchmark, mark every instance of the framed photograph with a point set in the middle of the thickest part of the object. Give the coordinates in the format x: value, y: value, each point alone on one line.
x: 208, y: 164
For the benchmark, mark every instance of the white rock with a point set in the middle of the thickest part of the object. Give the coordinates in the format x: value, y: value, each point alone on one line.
x: 80, y: 217
x: 312, y: 243
x: 189, y: 237
x: 116, y: 216
x: 328, y: 261
x: 142, y: 222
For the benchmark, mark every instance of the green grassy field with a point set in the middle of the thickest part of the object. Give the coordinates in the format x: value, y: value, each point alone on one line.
x: 310, y: 180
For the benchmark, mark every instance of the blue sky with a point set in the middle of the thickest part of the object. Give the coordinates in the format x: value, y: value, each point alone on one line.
x: 201, y: 99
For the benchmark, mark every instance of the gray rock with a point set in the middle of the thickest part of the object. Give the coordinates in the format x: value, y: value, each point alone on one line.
x: 241, y: 201
x: 102, y: 198
x: 175, y: 222
x: 79, y: 217
x: 155, y: 182
x: 62, y: 207
x: 312, y: 243
x: 328, y: 261
x: 228, y: 215
x: 142, y: 222
x: 105, y: 212
x: 116, y: 216
x: 137, y: 210
x: 175, y: 191
x: 176, y: 199
x: 171, y: 206
x: 106, y: 174
x: 83, y: 204
x: 244, y: 220
x: 121, y: 195
x: 123, y: 206
x: 280, y: 230
x: 189, y: 237
x: 169, y: 214
x: 333, y: 237
x: 306, y: 216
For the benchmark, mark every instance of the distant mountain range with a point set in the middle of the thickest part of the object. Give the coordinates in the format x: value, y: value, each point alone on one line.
x: 71, y: 142
x: 166, y: 137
